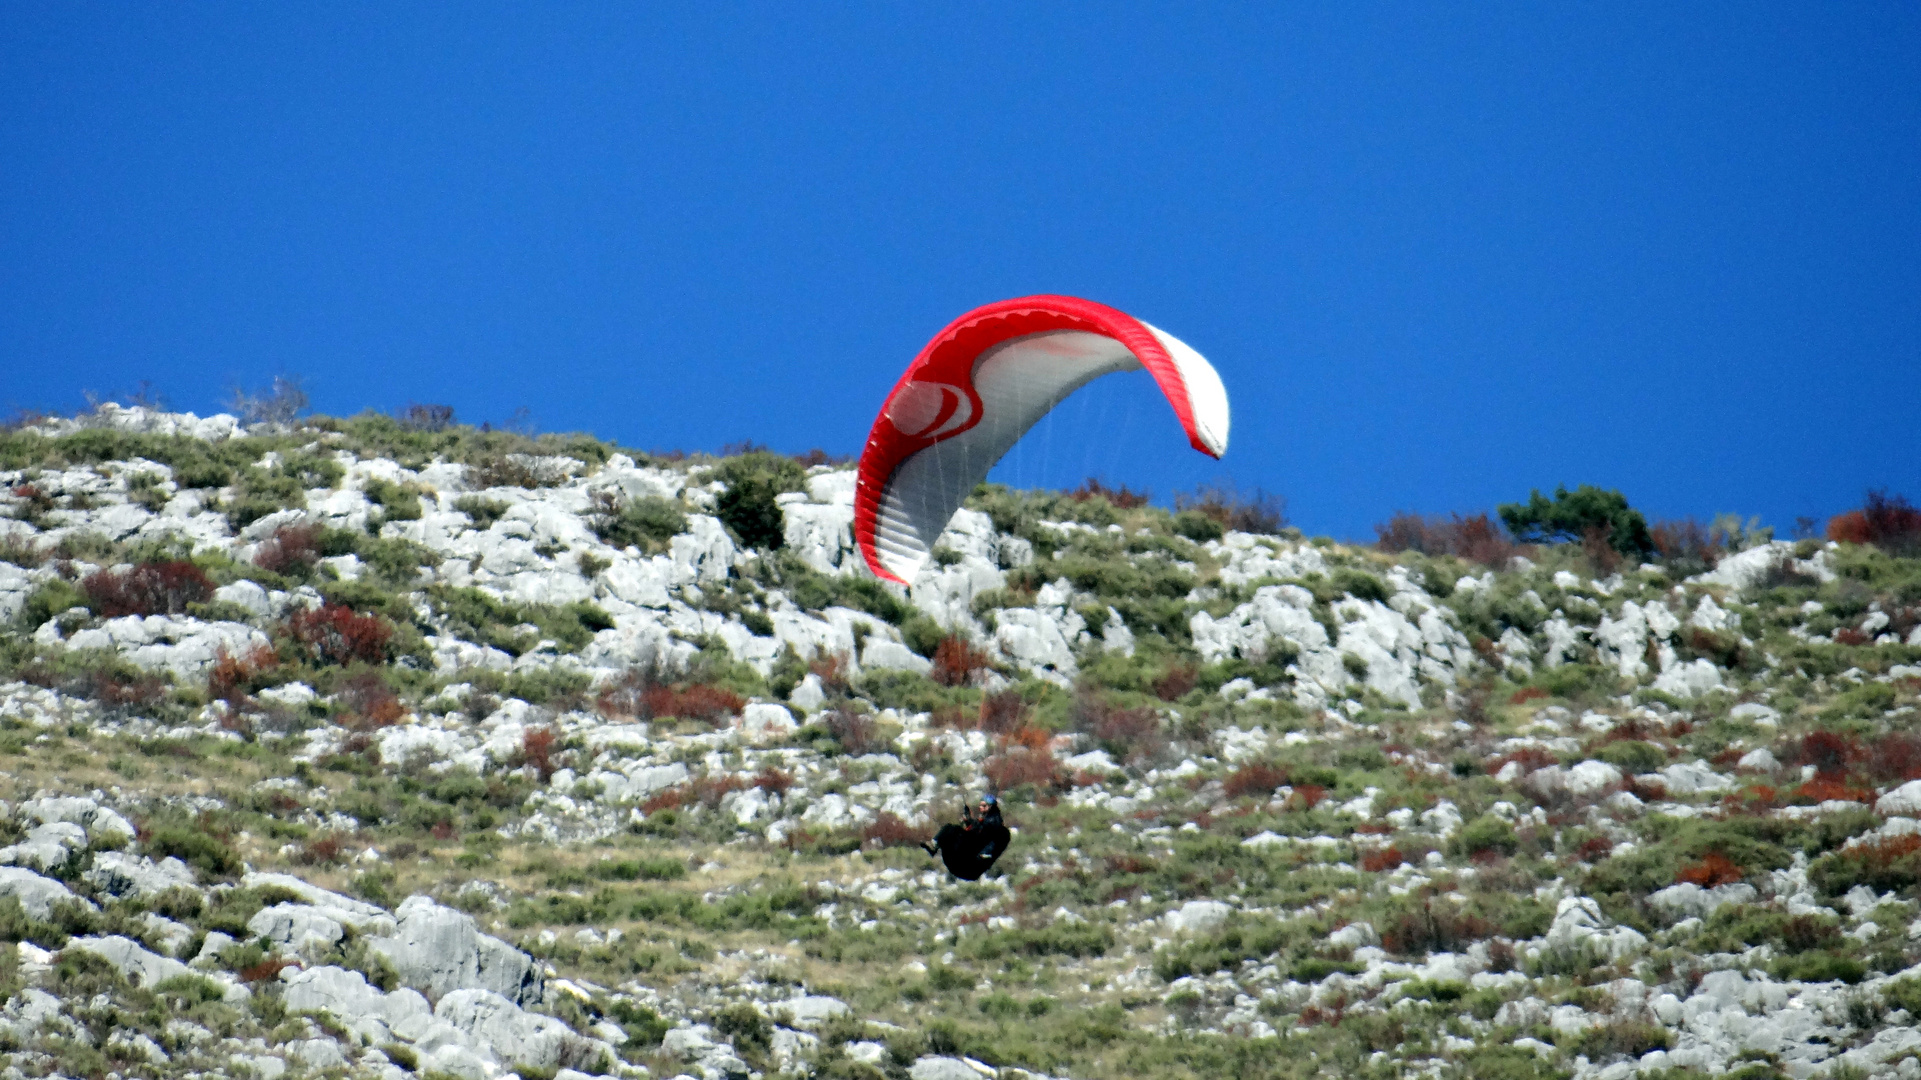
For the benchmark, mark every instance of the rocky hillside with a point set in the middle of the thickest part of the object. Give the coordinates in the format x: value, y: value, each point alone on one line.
x: 399, y: 749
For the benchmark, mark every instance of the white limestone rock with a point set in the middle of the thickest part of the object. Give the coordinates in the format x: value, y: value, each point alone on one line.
x: 437, y: 950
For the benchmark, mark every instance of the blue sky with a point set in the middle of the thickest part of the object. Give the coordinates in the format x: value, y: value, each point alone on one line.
x: 1441, y: 254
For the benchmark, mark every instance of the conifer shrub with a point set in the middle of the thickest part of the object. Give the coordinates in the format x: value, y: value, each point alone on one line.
x: 163, y: 588
x: 747, y: 506
x: 1578, y: 515
x: 482, y: 510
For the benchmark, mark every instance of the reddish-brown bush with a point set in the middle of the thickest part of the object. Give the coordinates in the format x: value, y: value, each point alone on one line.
x: 1687, y: 541
x: 816, y: 457
x: 1478, y: 539
x: 1890, y: 523
x: 267, y: 970
x: 1017, y: 765
x: 1380, y: 859
x: 372, y: 702
x: 1003, y: 713
x: 1176, y: 682
x: 773, y: 781
x: 708, y: 791
x: 1831, y: 789
x: 890, y: 831
x: 856, y: 732
x: 155, y: 588
x: 1122, y: 499
x: 1527, y: 694
x: 233, y: 677
x: 1529, y: 758
x: 1433, y: 927
x: 1594, y: 847
x: 831, y: 670
x: 115, y: 692
x: 956, y: 660
x: 1306, y: 796
x: 292, y: 549
x: 537, y: 747
x: 1258, y: 779
x: 642, y: 694
x: 1713, y: 869
x: 336, y: 634
x: 1895, y: 756
x: 443, y: 829
x: 321, y: 851
x: 1255, y: 513
x: 1829, y: 753
x: 1134, y: 735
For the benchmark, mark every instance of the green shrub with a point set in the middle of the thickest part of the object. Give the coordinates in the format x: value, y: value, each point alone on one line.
x: 1361, y: 585
x: 647, y: 523
x: 644, y: 1026
x: 1485, y: 833
x: 482, y: 510
x: 47, y: 600
x: 195, y: 846
x: 1819, y: 967
x: 1634, y: 757
x: 397, y: 502
x: 747, y: 506
x: 1197, y: 526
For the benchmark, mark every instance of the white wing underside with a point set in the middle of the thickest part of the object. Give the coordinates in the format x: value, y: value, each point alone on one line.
x: 1018, y: 382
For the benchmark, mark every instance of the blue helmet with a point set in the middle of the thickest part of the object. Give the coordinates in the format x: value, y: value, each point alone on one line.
x: 989, y: 800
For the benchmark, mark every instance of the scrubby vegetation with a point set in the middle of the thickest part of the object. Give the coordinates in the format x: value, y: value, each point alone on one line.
x: 1546, y: 797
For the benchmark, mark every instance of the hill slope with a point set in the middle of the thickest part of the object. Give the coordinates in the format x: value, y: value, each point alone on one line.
x: 361, y: 748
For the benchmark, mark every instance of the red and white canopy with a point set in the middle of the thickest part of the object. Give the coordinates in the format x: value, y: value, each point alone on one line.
x: 976, y: 389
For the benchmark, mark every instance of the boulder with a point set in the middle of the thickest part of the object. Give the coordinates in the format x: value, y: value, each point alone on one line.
x: 438, y: 950
x: 46, y: 846
x: 349, y: 998
x: 297, y: 926
x: 810, y: 1010
x: 1592, y: 779
x: 121, y: 875
x: 345, y: 910
x: 137, y: 965
x: 945, y: 1068
x: 98, y: 821
x: 1197, y: 917
x: 1904, y: 800
x: 513, y: 1035
x: 1579, y: 926
x: 37, y: 895
x: 764, y: 721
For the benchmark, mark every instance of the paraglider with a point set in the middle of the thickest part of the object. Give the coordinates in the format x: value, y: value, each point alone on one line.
x: 979, y: 385
x: 970, y: 848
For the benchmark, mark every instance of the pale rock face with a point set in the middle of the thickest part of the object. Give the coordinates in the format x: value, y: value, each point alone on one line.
x: 1248, y: 558
x: 185, y: 646
x: 1755, y: 713
x: 249, y: 595
x: 1694, y: 778
x: 1039, y: 639
x: 762, y: 722
x: 37, y: 895
x: 1744, y: 569
x: 1622, y: 639
x: 1197, y: 917
x: 1904, y: 800
x: 887, y: 655
x: 809, y: 695
x: 1579, y: 924
x: 1690, y: 680
x: 136, y: 964
x: 704, y: 554
x: 45, y: 846
x: 822, y: 535
x: 1687, y: 900
x: 1562, y: 637
x: 509, y: 1033
x: 97, y: 820
x: 437, y: 949
x: 946, y: 593
x: 362, y: 1008
x: 1115, y: 636
x: 297, y: 926
x: 1709, y: 615
x: 1761, y: 760
x: 119, y: 874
